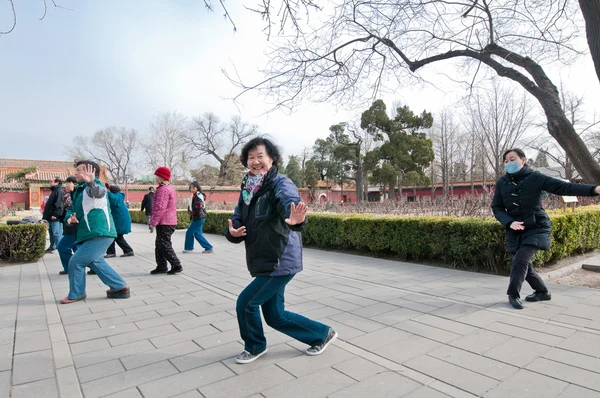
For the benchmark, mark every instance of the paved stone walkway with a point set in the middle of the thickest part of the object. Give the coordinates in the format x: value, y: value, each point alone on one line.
x: 406, y: 330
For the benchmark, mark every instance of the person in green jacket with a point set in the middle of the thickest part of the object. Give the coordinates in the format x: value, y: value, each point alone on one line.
x: 95, y: 232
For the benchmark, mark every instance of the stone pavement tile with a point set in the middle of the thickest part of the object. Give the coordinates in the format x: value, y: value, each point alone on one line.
x: 129, y: 393
x: 72, y: 311
x: 90, y: 358
x: 230, y: 324
x: 357, y: 322
x: 57, y: 333
x: 62, y: 354
x: 344, y: 331
x: 573, y: 320
x: 100, y: 370
x: 542, y: 327
x: 196, y: 394
x: 217, y: 339
x: 147, y: 308
x: 475, y: 363
x: 196, y: 321
x: 406, y: 303
x: 186, y: 335
x: 359, y: 368
x: 6, y: 352
x: 406, y: 349
x: 319, y: 384
x: 351, y: 298
x: 574, y: 359
x: 374, y: 310
x: 573, y: 391
x: 205, y: 357
x: 583, y: 343
x: 456, y: 376
x: 132, y: 378
x: 445, y: 324
x: 161, y: 354
x: 525, y: 334
x: 430, y: 332
x: 245, y: 384
x: 383, y: 385
x: 580, y: 292
x: 517, y: 352
x: 89, y: 346
x: 543, y: 310
x: 32, y: 341
x: 305, y: 306
x: 426, y: 392
x: 306, y: 364
x: 102, y: 332
x: 379, y: 338
x: 158, y: 332
x: 68, y: 385
x: 30, y: 325
x: 44, y: 388
x: 430, y: 301
x: 199, y: 310
x: 81, y: 327
x: 454, y: 311
x: 128, y: 318
x: 530, y: 385
x: 480, y: 341
x: 396, y: 316
x: 4, y: 384
x: 482, y: 318
x: 593, y: 324
x: 321, y: 313
x: 583, y: 311
x: 567, y: 373
x: 276, y: 354
x: 92, y: 317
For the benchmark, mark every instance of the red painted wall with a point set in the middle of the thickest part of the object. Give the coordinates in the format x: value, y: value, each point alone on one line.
x: 14, y: 197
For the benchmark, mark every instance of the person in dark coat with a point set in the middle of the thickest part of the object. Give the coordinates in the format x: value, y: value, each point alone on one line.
x: 53, y: 213
x: 269, y: 218
x: 66, y: 246
x: 122, y: 220
x: 517, y: 204
x: 147, y: 206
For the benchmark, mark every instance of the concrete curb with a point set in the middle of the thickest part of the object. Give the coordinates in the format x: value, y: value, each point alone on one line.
x: 572, y: 268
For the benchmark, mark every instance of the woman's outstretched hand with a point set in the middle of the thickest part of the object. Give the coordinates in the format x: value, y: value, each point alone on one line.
x: 297, y: 214
x: 517, y: 226
x: 236, y: 233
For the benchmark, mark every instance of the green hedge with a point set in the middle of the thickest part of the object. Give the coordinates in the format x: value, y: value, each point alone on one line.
x: 22, y: 243
x: 468, y: 243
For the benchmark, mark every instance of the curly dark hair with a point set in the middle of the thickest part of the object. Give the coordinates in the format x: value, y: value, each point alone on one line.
x: 272, y: 150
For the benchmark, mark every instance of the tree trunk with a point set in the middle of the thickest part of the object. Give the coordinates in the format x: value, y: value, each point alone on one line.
x: 568, y: 169
x: 591, y: 13
x: 359, y: 177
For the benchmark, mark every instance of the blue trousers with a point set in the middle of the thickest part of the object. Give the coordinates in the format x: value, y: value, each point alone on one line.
x: 66, y: 246
x: 91, y: 254
x: 267, y: 292
x: 195, y: 231
x: 55, y: 228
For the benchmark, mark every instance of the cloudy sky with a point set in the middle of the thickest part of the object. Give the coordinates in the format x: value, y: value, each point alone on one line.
x: 120, y: 63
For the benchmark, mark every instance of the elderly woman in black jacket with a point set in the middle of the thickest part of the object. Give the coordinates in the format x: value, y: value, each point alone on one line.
x: 268, y: 219
x: 517, y: 204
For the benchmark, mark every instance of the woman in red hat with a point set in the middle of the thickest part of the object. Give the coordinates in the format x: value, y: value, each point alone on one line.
x: 164, y: 219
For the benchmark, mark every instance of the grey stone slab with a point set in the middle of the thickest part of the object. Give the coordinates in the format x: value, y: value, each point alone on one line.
x: 530, y: 385
x: 205, y: 357
x: 374, y: 310
x: 358, y: 322
x: 6, y: 352
x: 217, y: 339
x: 476, y: 363
x: 318, y: 384
x: 102, y: 332
x: 305, y: 364
x: 406, y: 349
x: 72, y: 320
x: 517, y: 352
x: 29, y: 325
x: 122, y: 381
x: 129, y: 393
x: 187, y: 335
x: 379, y: 338
x: 196, y: 394
x: 541, y: 327
x: 451, y: 374
x: 68, y: 385
x: 359, y: 368
x: 159, y: 332
x: 430, y: 332
x: 43, y: 388
x: 163, y: 320
x: 454, y: 311
x: 224, y: 326
x: 483, y: 318
x: 128, y: 318
x: 32, y: 341
x: 583, y: 343
x: 573, y: 391
x: 574, y: 359
x: 396, y: 316
x: 525, y: 334
x: 383, y: 385
x: 339, y: 304
x: 567, y: 373
x: 246, y: 384
x: 426, y: 392
x: 445, y: 324
x: 321, y: 313
x: 32, y: 367
x: 413, y: 305
x: 480, y: 341
x: 81, y: 327
x: 100, y: 370
x: 161, y: 354
x: 90, y: 358
x: 5, y: 384
x: 198, y: 321
x: 62, y: 354
x: 89, y: 346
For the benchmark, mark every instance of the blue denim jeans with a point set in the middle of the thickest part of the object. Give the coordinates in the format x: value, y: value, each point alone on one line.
x: 91, y: 254
x: 55, y: 228
x: 195, y: 231
x: 65, y: 248
x: 267, y: 292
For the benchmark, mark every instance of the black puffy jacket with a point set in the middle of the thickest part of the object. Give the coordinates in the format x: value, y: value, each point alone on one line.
x: 518, y: 197
x: 54, y: 205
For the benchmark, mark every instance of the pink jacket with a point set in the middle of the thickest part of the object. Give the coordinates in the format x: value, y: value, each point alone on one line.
x: 164, y: 206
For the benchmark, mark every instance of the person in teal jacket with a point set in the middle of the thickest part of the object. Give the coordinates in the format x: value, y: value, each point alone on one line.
x: 122, y: 219
x: 95, y: 232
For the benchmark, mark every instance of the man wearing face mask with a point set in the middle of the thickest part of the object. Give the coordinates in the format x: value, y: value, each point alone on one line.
x: 517, y: 204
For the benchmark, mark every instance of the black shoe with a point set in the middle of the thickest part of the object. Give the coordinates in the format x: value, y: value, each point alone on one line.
x: 110, y: 255
x: 174, y: 271
x: 515, y: 302
x: 91, y: 272
x: 49, y: 250
x: 538, y: 296
x: 118, y: 294
x: 63, y: 273
x: 158, y: 271
x: 130, y: 254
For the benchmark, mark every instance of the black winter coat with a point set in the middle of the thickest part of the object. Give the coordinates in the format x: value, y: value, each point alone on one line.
x: 54, y: 205
x: 273, y: 248
x: 147, y: 203
x: 518, y: 197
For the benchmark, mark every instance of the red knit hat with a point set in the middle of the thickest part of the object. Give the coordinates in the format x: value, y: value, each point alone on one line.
x: 163, y: 172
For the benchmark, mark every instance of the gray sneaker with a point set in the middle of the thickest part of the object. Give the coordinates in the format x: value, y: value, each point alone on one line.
x: 246, y: 357
x: 318, y: 349
x: 207, y: 251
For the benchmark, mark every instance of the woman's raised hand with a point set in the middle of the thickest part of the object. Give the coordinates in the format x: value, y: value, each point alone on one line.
x: 236, y: 233
x: 297, y: 214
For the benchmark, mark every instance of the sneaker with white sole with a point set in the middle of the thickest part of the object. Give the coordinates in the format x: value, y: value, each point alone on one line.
x: 187, y: 251
x: 207, y: 251
x: 246, y: 357
x: 320, y: 348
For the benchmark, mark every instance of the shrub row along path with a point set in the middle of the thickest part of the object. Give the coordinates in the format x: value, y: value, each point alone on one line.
x: 406, y: 330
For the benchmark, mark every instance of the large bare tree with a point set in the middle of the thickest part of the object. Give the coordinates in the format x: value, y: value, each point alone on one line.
x: 112, y: 146
x: 445, y: 137
x: 372, y: 45
x: 165, y: 143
